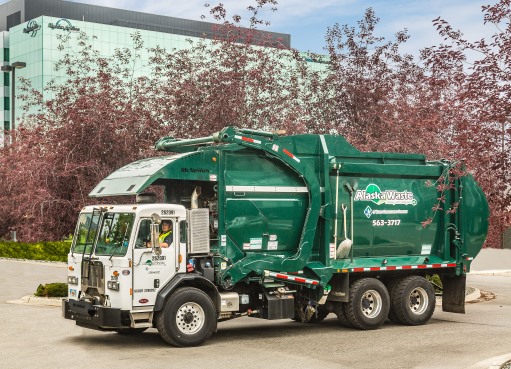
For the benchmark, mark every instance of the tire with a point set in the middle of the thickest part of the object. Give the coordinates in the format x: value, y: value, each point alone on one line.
x: 319, y: 315
x: 131, y: 331
x: 368, y: 305
x: 412, y: 301
x: 341, y: 314
x: 390, y: 286
x: 188, y: 318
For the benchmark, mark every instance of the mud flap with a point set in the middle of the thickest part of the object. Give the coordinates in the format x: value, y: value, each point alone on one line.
x: 340, y: 287
x: 453, y: 298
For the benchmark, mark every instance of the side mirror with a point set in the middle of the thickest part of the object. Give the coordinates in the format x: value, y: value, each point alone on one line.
x: 155, y: 232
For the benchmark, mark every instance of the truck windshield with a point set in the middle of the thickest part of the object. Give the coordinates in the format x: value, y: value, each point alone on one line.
x: 114, y: 234
x: 85, y: 232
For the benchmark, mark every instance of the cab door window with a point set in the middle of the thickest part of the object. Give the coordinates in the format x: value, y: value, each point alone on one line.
x: 144, y: 233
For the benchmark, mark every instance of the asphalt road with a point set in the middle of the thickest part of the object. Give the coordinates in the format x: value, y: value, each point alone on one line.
x: 38, y: 337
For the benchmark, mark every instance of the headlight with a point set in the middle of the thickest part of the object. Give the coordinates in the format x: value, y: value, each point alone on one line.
x: 71, y: 279
x: 112, y: 285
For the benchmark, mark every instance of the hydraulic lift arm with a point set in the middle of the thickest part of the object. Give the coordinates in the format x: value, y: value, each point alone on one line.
x: 269, y: 143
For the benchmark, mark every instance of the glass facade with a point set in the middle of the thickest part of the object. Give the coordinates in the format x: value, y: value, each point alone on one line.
x: 37, y: 42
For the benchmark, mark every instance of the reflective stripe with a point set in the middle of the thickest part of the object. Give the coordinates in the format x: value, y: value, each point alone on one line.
x: 291, y: 278
x: 291, y: 155
x: 162, y: 236
x: 281, y: 189
x: 247, y: 139
x: 403, y: 267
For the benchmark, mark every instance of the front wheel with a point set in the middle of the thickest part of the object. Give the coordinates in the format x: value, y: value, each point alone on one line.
x: 188, y: 319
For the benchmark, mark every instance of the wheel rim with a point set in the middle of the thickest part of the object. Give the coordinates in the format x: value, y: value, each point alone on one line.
x: 190, y: 318
x: 371, y: 303
x: 419, y: 300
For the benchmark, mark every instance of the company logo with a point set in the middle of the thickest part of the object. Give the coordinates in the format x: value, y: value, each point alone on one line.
x: 157, y: 260
x: 368, y: 212
x: 374, y: 194
x: 32, y: 28
x: 63, y: 24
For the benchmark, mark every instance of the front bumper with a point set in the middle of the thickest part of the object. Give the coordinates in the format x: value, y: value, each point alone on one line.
x: 95, y: 316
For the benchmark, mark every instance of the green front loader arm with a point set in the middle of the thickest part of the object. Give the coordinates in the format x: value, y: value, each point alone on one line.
x: 269, y: 143
x: 259, y: 262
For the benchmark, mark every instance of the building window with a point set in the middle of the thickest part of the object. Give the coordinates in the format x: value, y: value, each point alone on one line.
x: 7, y: 80
x: 6, y: 103
x: 6, y: 54
x: 13, y: 20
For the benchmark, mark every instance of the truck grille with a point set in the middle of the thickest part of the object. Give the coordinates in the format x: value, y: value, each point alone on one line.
x: 198, y: 231
x: 93, y: 277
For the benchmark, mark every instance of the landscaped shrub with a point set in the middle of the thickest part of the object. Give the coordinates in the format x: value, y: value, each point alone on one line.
x: 52, y: 290
x: 436, y: 282
x: 51, y: 251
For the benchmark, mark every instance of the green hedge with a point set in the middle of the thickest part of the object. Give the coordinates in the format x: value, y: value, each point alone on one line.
x: 51, y: 251
x: 52, y: 290
x: 436, y: 281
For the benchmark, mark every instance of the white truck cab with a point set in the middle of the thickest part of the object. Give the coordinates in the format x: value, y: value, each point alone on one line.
x: 116, y: 264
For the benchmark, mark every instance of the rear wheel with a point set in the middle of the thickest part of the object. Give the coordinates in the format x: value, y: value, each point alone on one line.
x: 368, y: 305
x: 390, y: 285
x: 188, y: 318
x: 412, y: 301
x: 341, y: 314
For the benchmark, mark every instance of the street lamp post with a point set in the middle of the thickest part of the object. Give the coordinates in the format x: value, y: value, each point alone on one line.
x: 12, y: 68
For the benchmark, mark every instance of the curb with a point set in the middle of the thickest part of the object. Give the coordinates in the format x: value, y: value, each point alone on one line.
x: 495, y: 362
x: 58, y: 264
x: 473, y: 294
x: 492, y: 272
x: 39, y: 301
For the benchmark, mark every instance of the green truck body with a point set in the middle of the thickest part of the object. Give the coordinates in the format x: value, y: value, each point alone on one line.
x: 312, y: 219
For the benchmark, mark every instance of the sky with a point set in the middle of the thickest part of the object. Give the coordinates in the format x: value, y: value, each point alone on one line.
x: 307, y: 20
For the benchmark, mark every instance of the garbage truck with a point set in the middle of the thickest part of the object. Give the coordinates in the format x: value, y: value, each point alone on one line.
x: 272, y: 226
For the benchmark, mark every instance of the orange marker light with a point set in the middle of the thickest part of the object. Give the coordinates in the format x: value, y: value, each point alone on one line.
x: 116, y: 273
x: 214, y: 158
x: 180, y: 258
x: 71, y: 268
x: 131, y: 291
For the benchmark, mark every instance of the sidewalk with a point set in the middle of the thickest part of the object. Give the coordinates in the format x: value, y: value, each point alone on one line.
x: 492, y: 261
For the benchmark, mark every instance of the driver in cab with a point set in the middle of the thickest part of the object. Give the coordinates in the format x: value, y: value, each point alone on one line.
x: 165, y: 237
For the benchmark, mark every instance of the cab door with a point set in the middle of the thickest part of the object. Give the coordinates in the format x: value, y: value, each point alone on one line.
x: 151, y: 271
